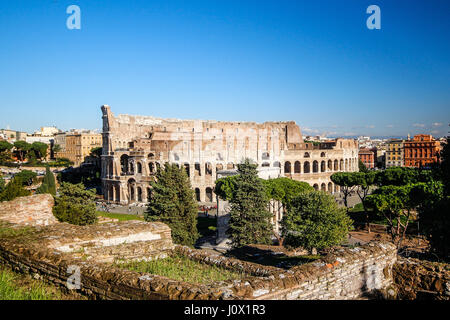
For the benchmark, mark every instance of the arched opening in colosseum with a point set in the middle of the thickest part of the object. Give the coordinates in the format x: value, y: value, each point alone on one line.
x: 111, y: 193
x: 330, y: 187
x: 306, y: 167
x: 158, y: 166
x: 208, y: 169
x: 297, y: 167
x: 131, y: 190
x: 322, y: 155
x: 219, y: 167
x: 315, y: 166
x: 139, y: 194
x: 230, y: 166
x: 151, y: 167
x: 277, y: 164
x: 197, y: 194
x: 151, y: 156
x: 209, y: 195
x: 323, y: 187
x: 322, y: 166
x: 265, y: 156
x: 187, y: 168
x: 346, y: 164
x: 197, y: 171
x: 111, y: 168
x: 341, y: 164
x: 287, y: 167
x: 306, y: 155
x: 336, y: 188
x: 139, y: 167
x: 131, y: 167
x: 265, y: 164
x: 124, y: 163
x: 117, y: 194
x: 330, y: 165
x: 336, y: 165
x: 316, y: 187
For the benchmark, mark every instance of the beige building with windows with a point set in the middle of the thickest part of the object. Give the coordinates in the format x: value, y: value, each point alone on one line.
x: 76, y: 146
x: 135, y: 146
x: 394, y: 153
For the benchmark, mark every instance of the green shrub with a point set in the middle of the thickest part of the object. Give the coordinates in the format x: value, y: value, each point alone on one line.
x: 315, y: 221
x: 75, y: 205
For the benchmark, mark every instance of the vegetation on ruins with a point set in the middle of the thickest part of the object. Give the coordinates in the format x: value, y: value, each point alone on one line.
x: 172, y: 202
x: 48, y: 183
x: 27, y: 177
x: 75, y: 205
x: 181, y: 268
x: 15, y: 286
x: 13, y: 190
x: 249, y: 216
x: 314, y: 220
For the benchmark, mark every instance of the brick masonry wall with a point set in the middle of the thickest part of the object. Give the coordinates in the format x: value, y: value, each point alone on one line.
x: 343, y: 274
x: 33, y: 210
x: 419, y: 279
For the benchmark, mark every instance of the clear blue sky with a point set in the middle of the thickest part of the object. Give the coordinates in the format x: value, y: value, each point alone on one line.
x: 314, y: 62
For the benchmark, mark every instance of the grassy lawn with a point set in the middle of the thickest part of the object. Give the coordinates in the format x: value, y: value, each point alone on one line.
x: 120, y: 216
x: 183, y: 269
x: 14, y: 286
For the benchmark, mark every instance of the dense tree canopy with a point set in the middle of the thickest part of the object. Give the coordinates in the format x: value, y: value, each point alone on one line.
x: 172, y: 202
x: 75, y: 204
x: 249, y: 216
x: 27, y: 177
x: 13, y: 190
x: 48, y: 184
x: 315, y: 221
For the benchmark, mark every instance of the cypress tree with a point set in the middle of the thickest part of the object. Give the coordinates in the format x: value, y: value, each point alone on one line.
x: 48, y: 183
x: 250, y: 219
x: 172, y: 202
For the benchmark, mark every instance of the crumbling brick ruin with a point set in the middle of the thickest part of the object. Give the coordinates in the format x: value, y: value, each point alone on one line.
x: 134, y: 146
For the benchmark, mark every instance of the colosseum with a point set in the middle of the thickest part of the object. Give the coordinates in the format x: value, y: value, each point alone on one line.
x: 135, y: 146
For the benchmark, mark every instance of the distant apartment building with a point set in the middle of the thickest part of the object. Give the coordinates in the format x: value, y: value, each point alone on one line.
x: 421, y: 151
x: 47, y: 132
x: 13, y: 135
x: 394, y: 153
x: 367, y: 156
x: 76, y: 146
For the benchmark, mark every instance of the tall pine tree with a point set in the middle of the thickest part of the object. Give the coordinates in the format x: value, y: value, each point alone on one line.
x: 250, y: 219
x: 172, y: 202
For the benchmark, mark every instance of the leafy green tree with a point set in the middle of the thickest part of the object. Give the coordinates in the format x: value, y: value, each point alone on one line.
x: 75, y: 205
x: 362, y: 167
x: 39, y: 149
x: 397, y: 204
x: 48, y: 183
x: 27, y: 177
x: 363, y: 182
x: 96, y: 152
x: 5, y: 146
x: 13, y: 190
x: 315, y: 221
x: 56, y: 148
x: 172, y: 202
x: 249, y: 216
x: 400, y: 176
x: 22, y: 149
x: 347, y: 183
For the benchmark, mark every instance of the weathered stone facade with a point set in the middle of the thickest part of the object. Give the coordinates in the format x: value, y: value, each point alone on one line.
x: 31, y: 211
x: 134, y: 146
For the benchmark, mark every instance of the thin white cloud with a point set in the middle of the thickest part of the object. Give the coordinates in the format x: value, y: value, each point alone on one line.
x: 390, y: 126
x: 419, y: 125
x: 437, y: 124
